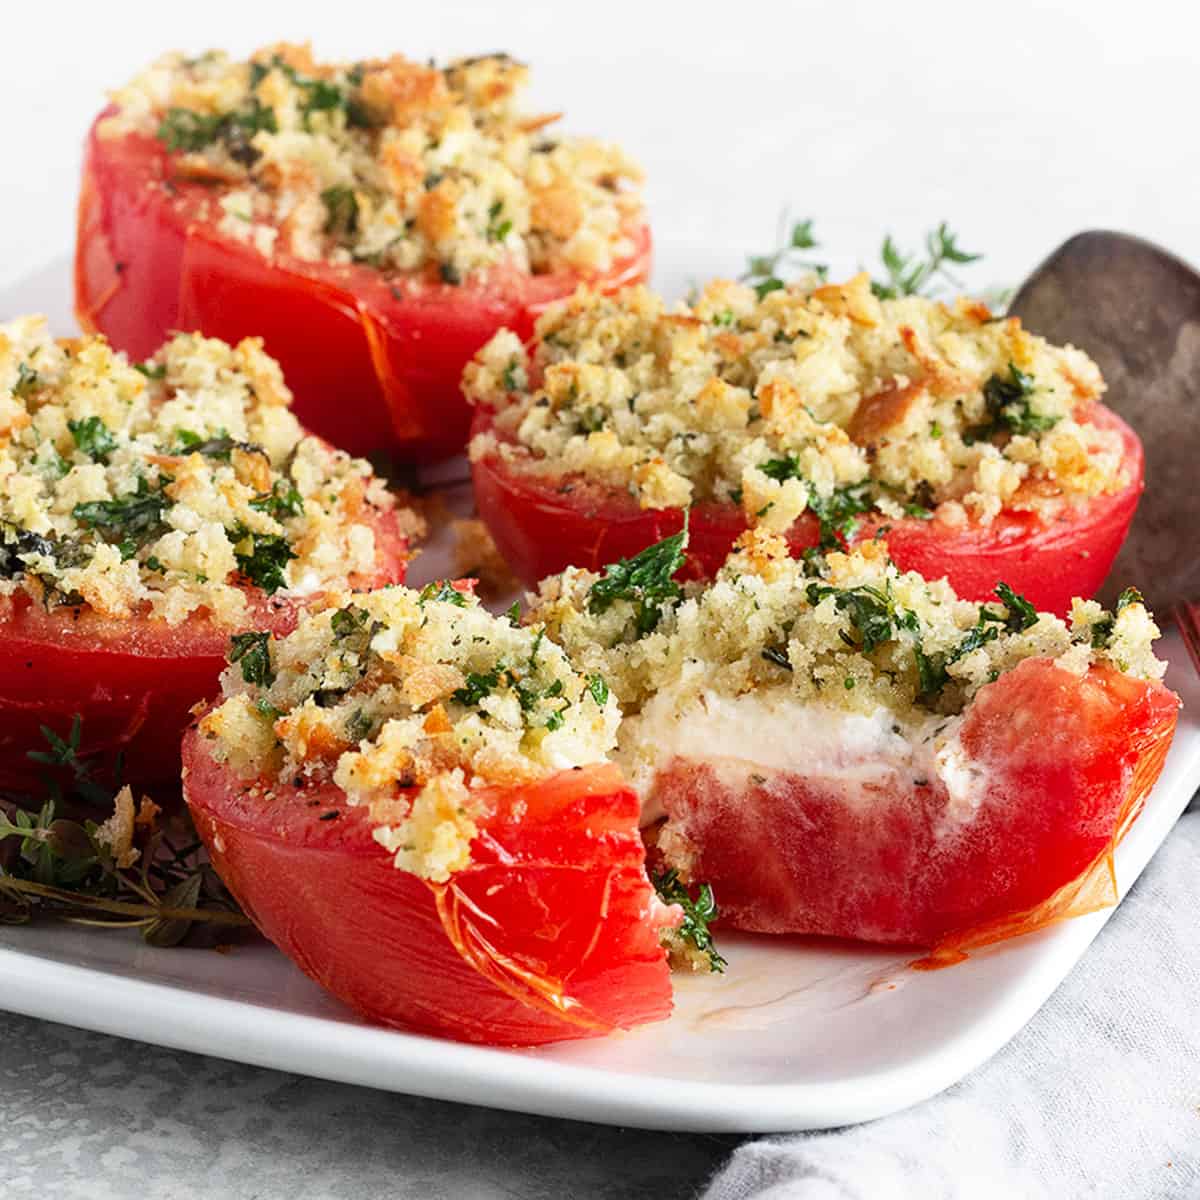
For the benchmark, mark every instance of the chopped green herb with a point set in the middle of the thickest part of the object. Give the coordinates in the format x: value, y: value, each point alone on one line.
x: 1129, y: 596
x: 150, y: 371
x: 515, y: 377
x: 599, y: 689
x: 253, y: 651
x: 264, y: 562
x: 497, y: 229
x: 1021, y: 614
x: 872, y: 613
x: 1009, y: 408
x: 646, y: 580
x: 281, y: 502
x: 183, y: 129
x: 444, y: 591
x: 346, y: 622
x: 698, y: 913
x: 341, y: 208
x: 358, y: 725
x: 136, y: 515
x: 479, y: 684
x: 27, y: 381
x: 93, y: 438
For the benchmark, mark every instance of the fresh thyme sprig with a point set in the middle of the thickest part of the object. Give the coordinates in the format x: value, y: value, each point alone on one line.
x: 902, y: 274
x: 124, y: 872
x: 911, y: 275
x: 764, y: 272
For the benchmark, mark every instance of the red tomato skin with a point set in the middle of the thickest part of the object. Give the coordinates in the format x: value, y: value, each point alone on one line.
x: 540, y: 528
x: 133, y: 681
x: 1069, y: 762
x: 374, y: 361
x: 550, y: 934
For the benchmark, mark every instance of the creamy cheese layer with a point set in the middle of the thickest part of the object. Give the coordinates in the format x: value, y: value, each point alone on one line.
x: 769, y: 732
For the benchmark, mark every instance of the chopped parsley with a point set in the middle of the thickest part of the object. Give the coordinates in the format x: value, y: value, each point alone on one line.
x: 136, y: 516
x: 1009, y: 408
x: 183, y: 129
x: 27, y: 381
x: 1102, y: 630
x: 479, y: 684
x: 93, y: 438
x: 262, y: 557
x: 150, y: 371
x: 599, y: 689
x: 698, y: 913
x: 281, y: 502
x: 1021, y: 614
x: 253, y: 651
x: 444, y: 591
x: 646, y: 580
x: 341, y: 208
x: 515, y: 377
x: 836, y: 513
x: 497, y: 229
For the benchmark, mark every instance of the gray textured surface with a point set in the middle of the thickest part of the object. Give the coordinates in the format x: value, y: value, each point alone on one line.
x: 86, y: 1115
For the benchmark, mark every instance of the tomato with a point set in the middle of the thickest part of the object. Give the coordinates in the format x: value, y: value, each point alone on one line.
x: 550, y: 933
x: 1062, y: 766
x: 543, y: 524
x: 132, y: 682
x: 373, y: 359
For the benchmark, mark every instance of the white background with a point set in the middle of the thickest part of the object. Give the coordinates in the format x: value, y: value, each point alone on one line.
x: 1020, y: 123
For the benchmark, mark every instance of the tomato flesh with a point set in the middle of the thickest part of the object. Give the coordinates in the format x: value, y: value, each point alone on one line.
x: 374, y: 360
x: 132, y: 682
x: 542, y: 524
x: 550, y: 934
x: 1066, y: 763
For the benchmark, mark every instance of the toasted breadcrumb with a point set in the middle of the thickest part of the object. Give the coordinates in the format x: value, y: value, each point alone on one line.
x: 777, y: 402
x: 777, y: 625
x: 156, y: 487
x: 411, y: 702
x: 388, y: 162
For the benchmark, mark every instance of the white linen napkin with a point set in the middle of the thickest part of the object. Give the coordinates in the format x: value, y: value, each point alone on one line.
x: 1098, y: 1097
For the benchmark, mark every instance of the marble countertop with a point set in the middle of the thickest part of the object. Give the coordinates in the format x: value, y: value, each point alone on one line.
x: 82, y: 1114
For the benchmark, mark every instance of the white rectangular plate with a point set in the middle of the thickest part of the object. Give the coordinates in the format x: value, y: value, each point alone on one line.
x: 796, y: 1035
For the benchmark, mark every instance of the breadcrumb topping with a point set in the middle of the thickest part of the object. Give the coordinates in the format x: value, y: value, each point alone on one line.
x: 169, y: 486
x: 844, y: 630
x: 411, y: 702
x: 398, y: 164
x: 806, y: 396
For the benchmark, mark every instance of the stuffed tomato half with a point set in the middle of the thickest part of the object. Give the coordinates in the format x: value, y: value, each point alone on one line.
x: 147, y: 512
x: 840, y: 748
x: 817, y: 412
x: 412, y: 799
x: 374, y: 222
